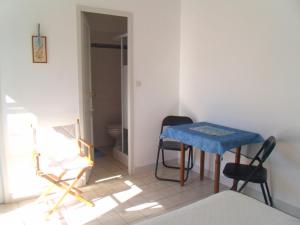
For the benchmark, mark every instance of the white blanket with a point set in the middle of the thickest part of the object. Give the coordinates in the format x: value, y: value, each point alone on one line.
x: 225, y: 208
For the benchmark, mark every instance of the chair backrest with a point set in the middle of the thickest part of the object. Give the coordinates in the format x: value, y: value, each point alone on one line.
x: 48, y: 143
x: 68, y: 131
x: 175, y: 120
x: 265, y: 151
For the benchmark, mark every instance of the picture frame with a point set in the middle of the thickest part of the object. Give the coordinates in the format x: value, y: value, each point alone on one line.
x: 39, y: 49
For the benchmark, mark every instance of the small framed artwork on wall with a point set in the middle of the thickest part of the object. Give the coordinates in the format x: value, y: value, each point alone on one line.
x: 39, y: 49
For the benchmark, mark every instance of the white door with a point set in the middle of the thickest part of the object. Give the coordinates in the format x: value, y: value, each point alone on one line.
x: 86, y: 106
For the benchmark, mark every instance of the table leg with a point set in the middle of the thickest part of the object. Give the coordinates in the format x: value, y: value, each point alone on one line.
x: 202, y: 160
x: 182, y: 160
x: 237, y: 160
x: 217, y: 173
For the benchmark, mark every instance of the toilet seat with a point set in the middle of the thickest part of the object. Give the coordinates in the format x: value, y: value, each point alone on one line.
x: 115, y: 131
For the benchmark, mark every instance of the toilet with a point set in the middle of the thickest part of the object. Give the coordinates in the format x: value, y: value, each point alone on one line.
x: 114, y: 130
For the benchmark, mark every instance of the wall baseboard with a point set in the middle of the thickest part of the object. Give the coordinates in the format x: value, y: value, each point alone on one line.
x: 121, y: 157
x: 249, y: 191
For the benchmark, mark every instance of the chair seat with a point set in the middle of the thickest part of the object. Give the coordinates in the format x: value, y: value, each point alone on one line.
x: 173, y: 145
x: 242, y: 172
x: 71, y: 164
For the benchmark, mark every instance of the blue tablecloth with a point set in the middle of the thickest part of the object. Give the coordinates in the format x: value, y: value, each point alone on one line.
x: 211, y: 137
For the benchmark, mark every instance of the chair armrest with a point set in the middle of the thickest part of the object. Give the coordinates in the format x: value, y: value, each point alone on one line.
x: 85, y: 143
x: 89, y: 147
x: 36, y: 158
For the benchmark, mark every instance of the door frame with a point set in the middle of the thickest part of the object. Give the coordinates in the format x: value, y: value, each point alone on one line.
x: 4, y: 196
x: 130, y: 94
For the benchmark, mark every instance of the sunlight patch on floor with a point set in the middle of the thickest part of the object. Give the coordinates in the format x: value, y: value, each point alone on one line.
x: 142, y: 206
x: 108, y: 178
x: 81, y: 214
x: 119, y: 198
x: 123, y: 196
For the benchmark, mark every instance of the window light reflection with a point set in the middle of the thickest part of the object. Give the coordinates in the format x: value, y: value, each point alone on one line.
x: 108, y: 178
x: 123, y: 196
x: 85, y: 214
x: 9, y: 100
x: 142, y: 206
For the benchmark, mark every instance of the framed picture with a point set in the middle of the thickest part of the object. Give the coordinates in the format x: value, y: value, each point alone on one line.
x: 39, y: 49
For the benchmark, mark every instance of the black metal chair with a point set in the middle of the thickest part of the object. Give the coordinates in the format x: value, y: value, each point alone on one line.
x: 253, y: 173
x: 173, y: 146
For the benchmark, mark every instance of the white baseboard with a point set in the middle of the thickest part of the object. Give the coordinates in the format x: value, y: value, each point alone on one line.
x: 121, y: 157
x: 250, y: 191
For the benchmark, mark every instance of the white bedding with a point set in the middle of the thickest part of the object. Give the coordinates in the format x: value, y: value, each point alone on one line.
x: 225, y: 208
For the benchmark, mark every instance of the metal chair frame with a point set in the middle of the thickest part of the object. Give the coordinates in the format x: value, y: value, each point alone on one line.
x: 265, y: 150
x: 172, y: 121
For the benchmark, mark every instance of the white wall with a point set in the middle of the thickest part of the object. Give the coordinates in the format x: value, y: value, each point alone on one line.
x: 240, y: 67
x: 49, y: 92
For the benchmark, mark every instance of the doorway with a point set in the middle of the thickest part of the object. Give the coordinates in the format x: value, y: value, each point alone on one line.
x: 108, y: 38
x: 105, y: 84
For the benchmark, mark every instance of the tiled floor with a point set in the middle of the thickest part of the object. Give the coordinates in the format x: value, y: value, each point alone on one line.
x: 118, y: 198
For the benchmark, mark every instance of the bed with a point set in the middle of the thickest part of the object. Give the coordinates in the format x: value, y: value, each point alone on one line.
x: 224, y: 208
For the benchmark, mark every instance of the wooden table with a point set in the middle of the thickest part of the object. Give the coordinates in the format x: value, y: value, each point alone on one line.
x: 202, y: 163
x: 213, y: 138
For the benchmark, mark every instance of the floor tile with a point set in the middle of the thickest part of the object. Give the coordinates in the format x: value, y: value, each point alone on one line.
x: 118, y: 198
x: 112, y: 218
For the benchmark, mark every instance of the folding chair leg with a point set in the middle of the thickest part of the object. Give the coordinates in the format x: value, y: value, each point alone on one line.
x: 49, y: 189
x: 192, y: 157
x: 45, y: 193
x: 235, y: 185
x: 156, y: 166
x: 76, y: 195
x: 69, y: 190
x: 167, y: 179
x: 74, y: 189
x: 83, y: 200
x: 269, y: 195
x: 62, y: 197
x: 243, y: 186
x: 163, y: 157
x: 188, y: 167
x: 157, y: 161
x: 264, y: 193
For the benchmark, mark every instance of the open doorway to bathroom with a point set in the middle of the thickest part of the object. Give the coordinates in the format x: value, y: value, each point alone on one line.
x: 105, y: 89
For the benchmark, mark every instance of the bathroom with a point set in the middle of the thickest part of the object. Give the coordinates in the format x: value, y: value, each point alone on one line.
x: 108, y: 51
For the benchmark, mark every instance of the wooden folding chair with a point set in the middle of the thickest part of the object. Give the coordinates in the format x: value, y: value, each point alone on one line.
x: 80, y: 164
